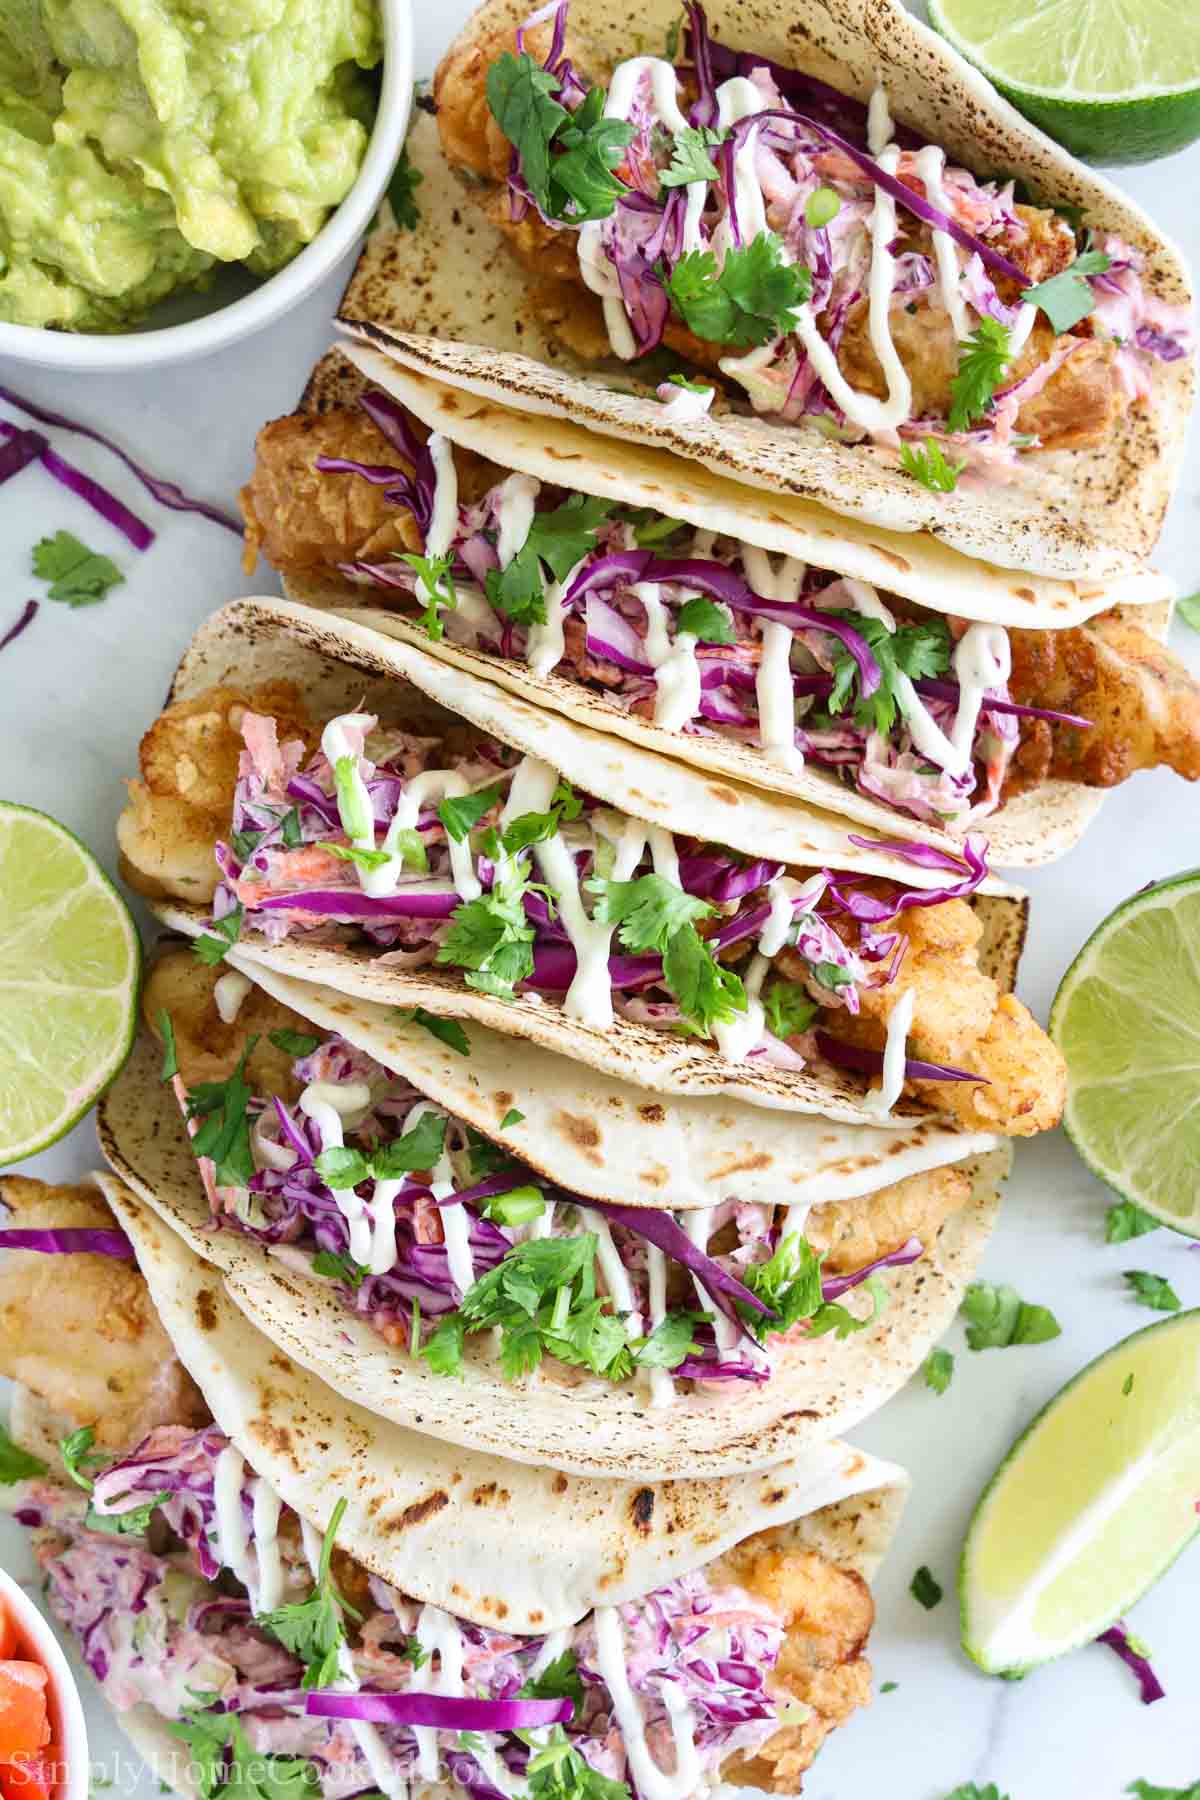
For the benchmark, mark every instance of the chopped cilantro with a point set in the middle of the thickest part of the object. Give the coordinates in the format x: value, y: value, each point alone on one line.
x: 440, y: 593
x: 982, y: 360
x: 1154, y: 1291
x: 690, y: 159
x: 491, y: 938
x: 557, y: 539
x: 245, y: 843
x: 1188, y: 608
x: 1067, y: 297
x: 998, y: 1317
x: 312, y: 1629
x: 925, y: 1588
x: 400, y: 192
x: 289, y: 829
x: 343, y: 1167
x: 512, y: 1117
x: 647, y: 911
x: 708, y: 993
x: 535, y: 828
x: 748, y: 301
x: 939, y: 1370
x: 166, y: 1031
x: 362, y: 859
x: 670, y: 1343
x: 77, y: 1455
x: 460, y: 813
x: 1125, y: 1220
x: 16, y: 1464
x: 788, y: 1009
x: 447, y: 1031
x: 556, y: 1771
x: 889, y: 1687
x: 693, y: 387
x: 577, y: 182
x: 224, y: 1137
x: 707, y: 620
x: 930, y: 468
x: 212, y: 947
x: 293, y: 1043
x: 559, y: 1680
x: 339, y: 1268
x: 1145, y: 1790
x: 969, y: 1791
x: 221, y: 1760
x: 912, y: 650
x: 77, y: 576
x: 650, y: 529
x: 134, y: 1523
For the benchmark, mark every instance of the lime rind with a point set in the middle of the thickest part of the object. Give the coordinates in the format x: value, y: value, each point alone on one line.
x: 70, y: 956
x: 1167, y: 1413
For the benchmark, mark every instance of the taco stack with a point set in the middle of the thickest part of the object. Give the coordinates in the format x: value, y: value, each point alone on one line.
x: 261, y: 1576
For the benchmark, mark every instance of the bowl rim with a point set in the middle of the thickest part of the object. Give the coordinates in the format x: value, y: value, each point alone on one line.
x: 112, y: 353
x: 35, y: 1629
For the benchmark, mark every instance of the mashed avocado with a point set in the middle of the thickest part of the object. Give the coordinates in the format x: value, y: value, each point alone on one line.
x: 142, y: 142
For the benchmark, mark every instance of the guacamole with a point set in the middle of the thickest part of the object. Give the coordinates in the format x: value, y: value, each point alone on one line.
x: 144, y: 142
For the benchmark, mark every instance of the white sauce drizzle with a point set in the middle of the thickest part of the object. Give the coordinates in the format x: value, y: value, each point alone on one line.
x: 229, y: 991
x: 438, y: 1633
x: 1018, y: 335
x: 662, y: 1386
x: 773, y: 680
x: 652, y: 1782
x: 443, y: 522
x: 233, y: 1533
x: 545, y: 642
x: 353, y: 1209
x: 880, y: 1101
x: 698, y: 1226
x: 266, y: 1507
x: 930, y: 163
x: 616, y: 1279
x: 514, y: 515
x: 795, y: 1219
x: 431, y: 785
x: 676, y: 671
x: 688, y: 402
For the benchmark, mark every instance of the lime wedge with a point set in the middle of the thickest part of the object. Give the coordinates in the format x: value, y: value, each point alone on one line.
x: 70, y: 963
x: 1091, y: 1505
x: 1112, y: 81
x: 1127, y: 1019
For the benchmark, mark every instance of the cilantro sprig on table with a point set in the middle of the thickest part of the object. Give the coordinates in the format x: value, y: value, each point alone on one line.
x: 998, y: 1317
x: 556, y: 541
x: 567, y: 159
x: 77, y: 576
x: 1154, y: 1291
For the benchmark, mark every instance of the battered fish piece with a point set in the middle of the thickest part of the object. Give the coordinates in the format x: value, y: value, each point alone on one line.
x: 181, y: 806
x: 1144, y: 704
x: 829, y: 1613
x: 80, y: 1331
x: 306, y: 522
x: 207, y: 1045
x: 852, y: 1233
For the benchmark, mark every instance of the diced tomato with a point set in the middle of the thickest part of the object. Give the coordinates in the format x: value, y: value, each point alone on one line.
x: 8, y: 1633
x: 30, y: 1777
x: 24, y: 1726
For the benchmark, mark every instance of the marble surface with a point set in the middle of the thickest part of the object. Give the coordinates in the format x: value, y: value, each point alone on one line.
x: 77, y: 689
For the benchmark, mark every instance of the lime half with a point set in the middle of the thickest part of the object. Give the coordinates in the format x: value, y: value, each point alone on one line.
x: 1114, y: 81
x: 70, y: 961
x: 1091, y: 1505
x: 1127, y: 1019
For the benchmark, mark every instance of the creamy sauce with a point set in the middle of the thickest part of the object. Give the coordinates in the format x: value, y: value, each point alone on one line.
x: 662, y: 1387
x: 698, y: 1226
x: 880, y: 1100
x: 429, y: 787
x: 653, y: 1783
x: 266, y: 1507
x: 616, y: 1280
x: 688, y: 402
x: 600, y: 276
x: 545, y: 643
x: 439, y: 1634
x: 229, y: 991
x: 514, y: 515
x: 233, y: 1533
x: 773, y: 679
x: 676, y: 671
x: 930, y: 164
x: 352, y: 1207
x: 795, y: 1218
x: 443, y: 522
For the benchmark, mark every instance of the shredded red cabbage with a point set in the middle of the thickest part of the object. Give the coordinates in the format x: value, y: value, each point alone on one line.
x: 69, y: 1242
x: 28, y: 615
x: 415, y: 491
x: 114, y: 511
x: 1117, y: 1638
x: 444, y: 1712
x: 19, y: 450
x: 950, y: 690
x: 660, y: 1229
x: 870, y: 1062
x: 837, y: 1285
x: 167, y: 493
x: 973, y: 856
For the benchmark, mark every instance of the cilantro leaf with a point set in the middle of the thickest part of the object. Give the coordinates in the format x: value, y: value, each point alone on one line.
x: 491, y: 938
x: 419, y: 1148
x: 512, y: 1117
x: 969, y: 1791
x: 341, y: 1167
x: 224, y: 1137
x: 647, y: 911
x: 789, y: 1282
x: 833, y: 1316
x: 559, y: 1680
x: 293, y: 1043
x: 1154, y: 1291
x: 1145, y: 1790
x: 460, y: 813
x: 707, y: 620
x: 997, y: 1317
x: 535, y: 828
x: 578, y: 181
x: 708, y: 993
x: 435, y: 579
x: 352, y: 853
x: 313, y: 1629
x: 925, y: 1589
x: 788, y: 1009
x: 670, y: 1343
x: 77, y: 1454
x: 17, y: 1464
x: 400, y: 192
x: 447, y: 1031
x: 939, y: 1370
x: 690, y: 160
x: 166, y: 1031
x: 556, y: 1771
x: 520, y: 97
x: 443, y: 1349
x: 221, y: 1761
x: 226, y: 931
x: 982, y: 360
x: 912, y: 650
x: 930, y: 468
x: 518, y: 590
x: 748, y: 301
x: 1067, y: 297
x: 563, y: 536
x: 1188, y: 609
x: 650, y: 528
x: 339, y: 1268
x: 1125, y: 1220
x: 134, y: 1523
x: 289, y: 829
x: 582, y: 183
x: 245, y: 843
x: 693, y: 387
x: 77, y: 576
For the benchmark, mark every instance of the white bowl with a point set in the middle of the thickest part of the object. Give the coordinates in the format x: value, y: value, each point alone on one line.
x: 39, y: 1644
x: 197, y: 324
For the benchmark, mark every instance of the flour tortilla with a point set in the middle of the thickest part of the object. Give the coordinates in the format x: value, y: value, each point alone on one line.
x: 1067, y: 514
x: 250, y: 641
x: 1033, y: 828
x: 585, y: 1426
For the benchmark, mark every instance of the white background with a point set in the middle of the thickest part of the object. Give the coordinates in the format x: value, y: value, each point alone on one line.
x: 78, y: 688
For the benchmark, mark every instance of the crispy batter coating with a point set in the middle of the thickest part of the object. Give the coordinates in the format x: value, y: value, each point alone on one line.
x: 828, y: 1613
x: 305, y: 522
x: 1144, y: 704
x: 189, y: 763
x: 852, y: 1233
x: 80, y: 1331
x: 960, y: 1018
x: 207, y: 1047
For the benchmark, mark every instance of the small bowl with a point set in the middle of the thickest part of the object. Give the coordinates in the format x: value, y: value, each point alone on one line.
x: 37, y: 1642
x: 188, y: 325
